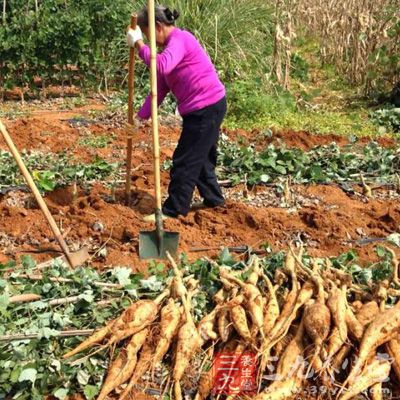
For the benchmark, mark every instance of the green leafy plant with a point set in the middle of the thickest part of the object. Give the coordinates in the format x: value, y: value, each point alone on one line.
x: 98, y: 142
x: 83, y: 41
x: 300, y: 68
x: 61, y: 41
x: 54, y: 170
x: 251, y: 101
x: 321, y: 164
x: 388, y: 119
x: 33, y: 368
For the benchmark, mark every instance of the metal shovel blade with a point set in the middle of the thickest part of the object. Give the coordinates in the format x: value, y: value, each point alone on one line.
x: 154, y: 246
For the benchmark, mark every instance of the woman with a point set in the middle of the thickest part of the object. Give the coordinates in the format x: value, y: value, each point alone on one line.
x: 185, y: 69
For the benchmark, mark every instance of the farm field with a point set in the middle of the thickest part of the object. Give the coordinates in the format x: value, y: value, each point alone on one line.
x: 326, y: 217
x: 289, y: 289
x: 332, y: 215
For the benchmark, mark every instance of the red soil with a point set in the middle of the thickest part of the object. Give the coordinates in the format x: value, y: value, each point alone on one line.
x: 327, y: 225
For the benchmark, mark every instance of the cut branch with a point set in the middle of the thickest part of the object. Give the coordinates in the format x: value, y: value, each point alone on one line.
x: 27, y: 336
x: 39, y: 277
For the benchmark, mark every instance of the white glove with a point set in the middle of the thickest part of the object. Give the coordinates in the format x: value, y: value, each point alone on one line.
x: 133, y: 36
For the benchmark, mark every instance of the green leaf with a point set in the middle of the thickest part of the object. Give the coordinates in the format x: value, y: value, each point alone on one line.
x: 38, y: 305
x: 381, y: 252
x: 87, y: 296
x: 83, y: 377
x: 28, y: 262
x: 280, y: 169
x: 394, y: 238
x: 152, y: 284
x: 160, y: 267
x: 46, y: 288
x: 264, y: 178
x: 61, y: 320
x: 28, y: 374
x: 90, y: 391
x: 225, y: 256
x: 122, y: 275
x: 316, y: 173
x: 132, y: 291
x: 47, y: 333
x: 56, y: 364
x: 61, y: 394
x: 4, y: 302
x: 15, y: 375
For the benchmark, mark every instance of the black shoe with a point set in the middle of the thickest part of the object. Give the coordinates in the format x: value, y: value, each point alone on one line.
x: 202, y: 205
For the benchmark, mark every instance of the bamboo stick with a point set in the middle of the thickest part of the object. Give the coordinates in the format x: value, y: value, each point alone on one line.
x: 154, y: 104
x: 25, y: 298
x: 131, y: 91
x: 27, y: 336
x: 41, y: 266
x: 39, y: 277
x: 31, y: 298
x: 75, y: 299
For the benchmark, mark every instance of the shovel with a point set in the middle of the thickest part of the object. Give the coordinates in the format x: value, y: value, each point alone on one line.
x: 155, y: 244
x: 74, y: 259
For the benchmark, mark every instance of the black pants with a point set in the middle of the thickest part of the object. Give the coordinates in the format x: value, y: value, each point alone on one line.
x: 194, y: 161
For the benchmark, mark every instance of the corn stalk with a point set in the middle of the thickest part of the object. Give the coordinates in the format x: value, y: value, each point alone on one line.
x: 284, y: 35
x: 360, y: 37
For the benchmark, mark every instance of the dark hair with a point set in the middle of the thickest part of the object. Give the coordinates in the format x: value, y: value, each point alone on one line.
x: 164, y: 15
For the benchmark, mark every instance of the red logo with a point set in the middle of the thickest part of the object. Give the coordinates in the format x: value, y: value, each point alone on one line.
x: 235, y: 373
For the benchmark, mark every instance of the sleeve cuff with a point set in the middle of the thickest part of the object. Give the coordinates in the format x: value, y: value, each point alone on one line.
x: 143, y: 114
x: 144, y: 53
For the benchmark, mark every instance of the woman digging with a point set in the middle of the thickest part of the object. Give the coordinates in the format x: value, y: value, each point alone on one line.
x: 185, y: 69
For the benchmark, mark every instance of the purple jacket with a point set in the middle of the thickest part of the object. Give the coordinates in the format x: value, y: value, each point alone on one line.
x: 185, y: 69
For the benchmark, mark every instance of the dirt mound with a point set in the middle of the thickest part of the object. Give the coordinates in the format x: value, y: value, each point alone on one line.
x: 39, y: 134
x: 326, y: 227
x: 301, y: 139
x: 57, y: 135
x: 54, y: 132
x: 326, y: 223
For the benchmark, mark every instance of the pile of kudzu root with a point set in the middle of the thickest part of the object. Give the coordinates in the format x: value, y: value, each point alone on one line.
x: 308, y: 323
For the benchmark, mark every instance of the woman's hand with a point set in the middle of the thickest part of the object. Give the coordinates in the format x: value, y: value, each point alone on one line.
x: 137, y: 125
x: 140, y: 122
x: 133, y: 36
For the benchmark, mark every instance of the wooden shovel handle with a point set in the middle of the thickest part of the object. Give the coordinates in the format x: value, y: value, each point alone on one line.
x: 131, y: 91
x: 131, y: 74
x: 36, y: 193
x: 154, y: 105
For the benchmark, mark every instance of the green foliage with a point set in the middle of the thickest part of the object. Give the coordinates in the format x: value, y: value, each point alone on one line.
x: 321, y: 164
x: 250, y: 101
x: 365, y: 274
x: 34, y: 369
x: 68, y: 40
x: 119, y: 101
x: 384, y: 62
x: 13, y: 113
x: 236, y: 34
x: 62, y: 40
x: 388, y: 119
x: 54, y: 170
x: 300, y: 68
x: 318, y: 122
x: 97, y: 141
